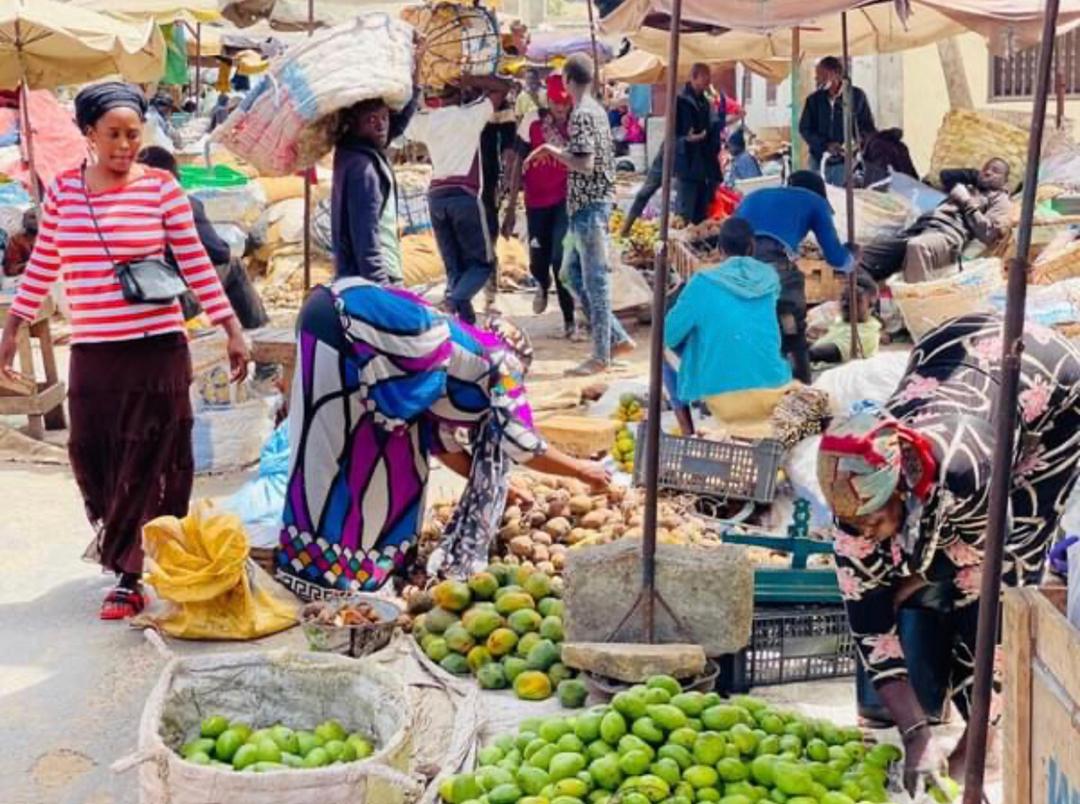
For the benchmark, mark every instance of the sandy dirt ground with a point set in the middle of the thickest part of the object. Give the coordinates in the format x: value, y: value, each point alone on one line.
x: 72, y: 688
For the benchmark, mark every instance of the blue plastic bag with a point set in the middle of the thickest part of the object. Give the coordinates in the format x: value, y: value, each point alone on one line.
x: 261, y: 500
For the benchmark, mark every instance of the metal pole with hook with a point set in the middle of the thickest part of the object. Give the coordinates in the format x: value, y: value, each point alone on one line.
x: 307, y: 178
x: 648, y: 596
x: 849, y: 184
x: 1005, y: 415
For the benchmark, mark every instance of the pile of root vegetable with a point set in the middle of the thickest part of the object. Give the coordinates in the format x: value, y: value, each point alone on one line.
x: 549, y: 516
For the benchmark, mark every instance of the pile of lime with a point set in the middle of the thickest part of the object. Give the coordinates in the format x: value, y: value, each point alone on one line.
x: 504, y: 625
x: 235, y: 746
x: 656, y: 744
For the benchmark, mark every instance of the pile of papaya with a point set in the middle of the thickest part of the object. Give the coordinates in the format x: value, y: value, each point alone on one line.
x: 504, y: 625
x: 658, y: 744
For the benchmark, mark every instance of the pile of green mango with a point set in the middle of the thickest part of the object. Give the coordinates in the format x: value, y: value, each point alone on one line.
x: 234, y: 746
x: 504, y: 625
x: 656, y: 744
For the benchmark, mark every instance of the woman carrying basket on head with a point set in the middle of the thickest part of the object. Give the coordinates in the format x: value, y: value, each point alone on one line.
x: 909, y: 486
x: 130, y: 375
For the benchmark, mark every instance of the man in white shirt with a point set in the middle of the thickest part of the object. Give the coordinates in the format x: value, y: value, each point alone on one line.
x: 462, y: 231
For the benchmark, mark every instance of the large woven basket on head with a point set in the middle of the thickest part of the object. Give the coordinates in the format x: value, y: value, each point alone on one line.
x: 967, y: 139
x: 460, y: 40
x: 925, y: 305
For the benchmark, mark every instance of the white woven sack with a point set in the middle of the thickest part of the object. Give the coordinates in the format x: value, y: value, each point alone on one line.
x: 288, y: 121
x: 270, y: 687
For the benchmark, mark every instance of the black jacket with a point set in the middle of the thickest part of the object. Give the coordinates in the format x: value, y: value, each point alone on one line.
x: 822, y: 120
x: 696, y: 161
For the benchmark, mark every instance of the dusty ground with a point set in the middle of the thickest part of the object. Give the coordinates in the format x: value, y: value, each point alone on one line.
x: 72, y: 688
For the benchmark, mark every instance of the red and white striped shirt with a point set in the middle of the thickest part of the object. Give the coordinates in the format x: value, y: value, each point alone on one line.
x: 137, y: 220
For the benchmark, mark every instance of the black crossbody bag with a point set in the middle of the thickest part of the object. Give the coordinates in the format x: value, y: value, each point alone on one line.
x: 147, y: 280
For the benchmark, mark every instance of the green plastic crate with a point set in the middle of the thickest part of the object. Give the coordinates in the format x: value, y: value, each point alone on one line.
x: 194, y: 177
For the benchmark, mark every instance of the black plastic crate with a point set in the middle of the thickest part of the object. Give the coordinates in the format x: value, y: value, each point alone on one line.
x: 789, y: 645
x: 728, y: 469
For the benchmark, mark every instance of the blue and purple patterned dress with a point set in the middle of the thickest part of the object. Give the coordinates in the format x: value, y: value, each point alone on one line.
x: 383, y: 381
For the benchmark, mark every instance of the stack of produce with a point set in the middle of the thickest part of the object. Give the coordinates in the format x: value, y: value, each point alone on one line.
x: 623, y: 451
x: 505, y: 627
x: 631, y: 408
x: 656, y: 743
x: 234, y: 746
x: 639, y: 248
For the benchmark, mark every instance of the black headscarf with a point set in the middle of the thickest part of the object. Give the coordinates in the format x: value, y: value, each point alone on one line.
x: 808, y: 180
x: 94, y: 101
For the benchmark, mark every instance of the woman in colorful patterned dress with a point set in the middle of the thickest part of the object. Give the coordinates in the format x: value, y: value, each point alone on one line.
x: 384, y: 380
x: 910, y: 485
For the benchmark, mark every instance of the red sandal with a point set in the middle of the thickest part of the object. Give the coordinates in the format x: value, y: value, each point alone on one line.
x: 122, y: 604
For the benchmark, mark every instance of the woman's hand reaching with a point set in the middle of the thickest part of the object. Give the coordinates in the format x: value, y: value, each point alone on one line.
x: 595, y: 475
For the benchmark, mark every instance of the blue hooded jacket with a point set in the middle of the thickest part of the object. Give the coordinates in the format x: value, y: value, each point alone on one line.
x: 724, y: 329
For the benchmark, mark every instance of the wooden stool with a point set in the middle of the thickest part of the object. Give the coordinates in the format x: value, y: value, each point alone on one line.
x: 44, y: 407
x: 277, y: 346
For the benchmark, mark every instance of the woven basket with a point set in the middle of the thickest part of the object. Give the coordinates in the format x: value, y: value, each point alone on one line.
x: 925, y: 305
x: 967, y: 139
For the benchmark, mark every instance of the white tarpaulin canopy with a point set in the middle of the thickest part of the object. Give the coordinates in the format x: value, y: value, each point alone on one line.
x: 874, y: 27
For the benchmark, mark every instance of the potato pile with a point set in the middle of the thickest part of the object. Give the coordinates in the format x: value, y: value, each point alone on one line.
x: 559, y: 515
x: 550, y: 516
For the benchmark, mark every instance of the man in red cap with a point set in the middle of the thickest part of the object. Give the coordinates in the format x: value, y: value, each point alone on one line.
x: 545, y: 182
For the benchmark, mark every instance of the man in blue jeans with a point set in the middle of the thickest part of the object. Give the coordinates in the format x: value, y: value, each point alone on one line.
x: 590, y: 156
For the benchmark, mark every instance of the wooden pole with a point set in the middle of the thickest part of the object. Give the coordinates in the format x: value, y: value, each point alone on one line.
x: 598, y: 89
x: 24, y: 114
x: 656, y: 345
x: 198, y: 65
x: 796, y: 58
x: 956, y: 82
x: 849, y: 184
x: 1005, y: 415
x: 307, y: 178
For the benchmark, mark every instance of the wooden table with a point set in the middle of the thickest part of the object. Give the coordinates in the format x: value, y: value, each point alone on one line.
x: 44, y: 407
x: 276, y: 345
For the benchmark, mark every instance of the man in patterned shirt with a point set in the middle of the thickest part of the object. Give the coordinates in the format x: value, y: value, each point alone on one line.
x: 590, y: 156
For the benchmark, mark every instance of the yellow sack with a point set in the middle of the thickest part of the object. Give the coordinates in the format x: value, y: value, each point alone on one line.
x: 199, y: 566
x: 746, y: 414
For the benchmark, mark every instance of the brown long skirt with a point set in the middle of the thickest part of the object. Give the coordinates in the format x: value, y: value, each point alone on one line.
x: 130, y: 443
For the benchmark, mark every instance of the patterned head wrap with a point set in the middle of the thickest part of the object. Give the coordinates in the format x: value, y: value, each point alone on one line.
x: 93, y: 102
x: 514, y: 337
x: 862, y: 460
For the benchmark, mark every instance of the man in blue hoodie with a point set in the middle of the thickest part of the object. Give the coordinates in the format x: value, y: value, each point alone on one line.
x: 723, y: 326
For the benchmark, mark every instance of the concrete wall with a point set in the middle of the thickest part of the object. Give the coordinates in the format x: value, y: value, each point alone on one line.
x: 926, y: 100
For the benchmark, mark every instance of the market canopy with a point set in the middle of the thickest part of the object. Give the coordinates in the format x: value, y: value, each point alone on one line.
x: 292, y: 15
x: 875, y: 26
x: 642, y: 67
x: 159, y: 11
x: 873, y: 29
x: 48, y: 43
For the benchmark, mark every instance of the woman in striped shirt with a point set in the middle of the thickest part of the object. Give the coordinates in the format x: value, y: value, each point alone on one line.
x: 131, y: 417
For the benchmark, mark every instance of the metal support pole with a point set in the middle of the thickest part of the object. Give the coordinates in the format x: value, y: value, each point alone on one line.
x: 28, y: 139
x: 849, y: 182
x: 1004, y: 427
x: 307, y: 178
x: 796, y: 61
x: 598, y: 89
x: 198, y: 64
x: 656, y: 345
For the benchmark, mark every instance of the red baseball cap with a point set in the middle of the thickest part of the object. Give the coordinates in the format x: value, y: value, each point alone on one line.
x: 556, y: 90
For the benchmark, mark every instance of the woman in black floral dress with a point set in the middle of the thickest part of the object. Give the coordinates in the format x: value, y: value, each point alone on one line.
x: 910, y: 485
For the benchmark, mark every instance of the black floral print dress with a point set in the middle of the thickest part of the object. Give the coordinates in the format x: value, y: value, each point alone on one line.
x: 947, y: 395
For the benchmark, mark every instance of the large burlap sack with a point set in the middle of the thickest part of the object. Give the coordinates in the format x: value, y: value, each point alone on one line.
x: 421, y: 263
x: 967, y: 139
x: 289, y: 120
x: 263, y: 688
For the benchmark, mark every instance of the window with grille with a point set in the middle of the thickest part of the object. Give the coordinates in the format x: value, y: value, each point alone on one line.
x: 1014, y: 78
x: 747, y: 86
